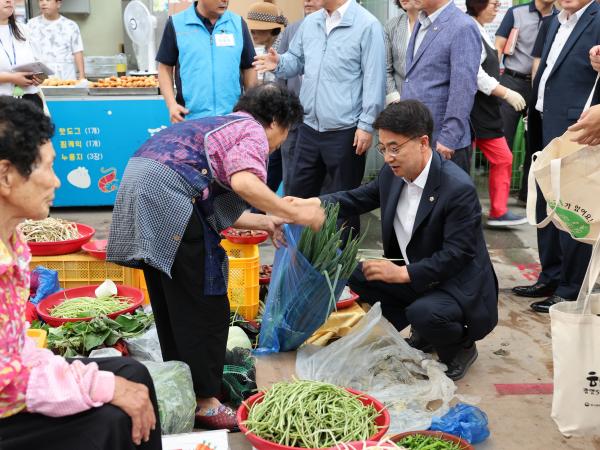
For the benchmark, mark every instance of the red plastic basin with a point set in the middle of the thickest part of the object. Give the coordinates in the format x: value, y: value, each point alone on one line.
x: 382, y: 421
x: 85, y: 291
x: 246, y: 240
x: 347, y: 303
x: 63, y: 247
x: 464, y: 445
x: 96, y: 248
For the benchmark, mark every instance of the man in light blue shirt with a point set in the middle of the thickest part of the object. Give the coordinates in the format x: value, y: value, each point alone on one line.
x: 341, y: 52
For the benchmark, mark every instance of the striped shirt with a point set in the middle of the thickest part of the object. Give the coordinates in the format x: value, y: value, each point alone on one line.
x: 397, y: 35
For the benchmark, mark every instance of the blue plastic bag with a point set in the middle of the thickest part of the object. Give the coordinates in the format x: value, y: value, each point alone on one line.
x: 299, y: 299
x: 47, y: 283
x: 465, y: 421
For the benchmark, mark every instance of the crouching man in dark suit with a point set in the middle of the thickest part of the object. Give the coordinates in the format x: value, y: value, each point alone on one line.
x: 444, y: 286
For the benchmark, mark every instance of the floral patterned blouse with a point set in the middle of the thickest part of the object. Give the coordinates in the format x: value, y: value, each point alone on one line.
x: 14, y: 292
x: 32, y: 378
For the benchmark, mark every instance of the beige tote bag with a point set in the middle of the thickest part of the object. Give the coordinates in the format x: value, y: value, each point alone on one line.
x: 568, y: 175
x: 576, y: 354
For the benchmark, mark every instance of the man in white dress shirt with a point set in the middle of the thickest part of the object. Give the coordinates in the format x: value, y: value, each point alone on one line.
x: 437, y: 275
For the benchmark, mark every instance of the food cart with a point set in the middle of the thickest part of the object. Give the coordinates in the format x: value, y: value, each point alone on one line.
x: 97, y: 130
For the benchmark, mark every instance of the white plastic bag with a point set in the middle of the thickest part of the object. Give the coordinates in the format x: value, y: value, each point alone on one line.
x: 106, y: 352
x: 175, y: 394
x: 375, y: 359
x: 106, y: 289
x: 145, y: 347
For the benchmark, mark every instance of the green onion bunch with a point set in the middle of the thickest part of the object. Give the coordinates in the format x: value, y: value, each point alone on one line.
x: 323, y: 249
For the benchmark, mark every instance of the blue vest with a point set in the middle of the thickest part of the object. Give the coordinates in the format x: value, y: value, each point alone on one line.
x: 210, y: 73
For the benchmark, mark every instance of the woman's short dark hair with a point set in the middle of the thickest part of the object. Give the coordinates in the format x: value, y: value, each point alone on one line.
x: 271, y: 102
x: 24, y: 128
x: 409, y: 118
x: 474, y: 7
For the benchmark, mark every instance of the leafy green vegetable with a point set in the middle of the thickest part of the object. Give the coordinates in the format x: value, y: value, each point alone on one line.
x: 423, y: 442
x: 80, y: 338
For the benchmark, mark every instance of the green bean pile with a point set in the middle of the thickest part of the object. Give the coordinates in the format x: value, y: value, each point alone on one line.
x: 311, y: 414
x: 78, y: 307
x: 422, y: 442
x: 322, y: 249
x: 49, y: 230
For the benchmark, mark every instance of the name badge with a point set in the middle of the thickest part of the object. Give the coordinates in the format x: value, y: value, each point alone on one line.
x: 224, y: 40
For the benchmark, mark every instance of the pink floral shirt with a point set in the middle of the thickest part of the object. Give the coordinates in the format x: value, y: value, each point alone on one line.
x: 238, y: 146
x: 32, y: 378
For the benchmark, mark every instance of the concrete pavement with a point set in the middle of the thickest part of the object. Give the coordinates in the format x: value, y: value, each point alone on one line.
x: 517, y: 354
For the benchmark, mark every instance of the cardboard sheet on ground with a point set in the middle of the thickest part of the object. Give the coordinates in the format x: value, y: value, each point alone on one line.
x: 374, y: 358
x: 339, y: 324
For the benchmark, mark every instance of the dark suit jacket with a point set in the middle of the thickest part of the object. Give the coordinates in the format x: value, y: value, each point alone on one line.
x: 447, y: 250
x: 570, y: 81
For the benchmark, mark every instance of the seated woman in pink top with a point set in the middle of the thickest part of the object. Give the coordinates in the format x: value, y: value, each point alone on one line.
x: 46, y: 401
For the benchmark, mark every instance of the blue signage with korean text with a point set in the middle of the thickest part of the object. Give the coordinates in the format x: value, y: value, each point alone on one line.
x: 93, y: 141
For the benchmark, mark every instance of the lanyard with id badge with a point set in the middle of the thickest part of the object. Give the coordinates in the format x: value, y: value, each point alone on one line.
x: 224, y: 40
x: 18, y: 90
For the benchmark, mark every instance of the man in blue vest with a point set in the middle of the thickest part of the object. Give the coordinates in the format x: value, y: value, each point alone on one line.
x: 204, y: 51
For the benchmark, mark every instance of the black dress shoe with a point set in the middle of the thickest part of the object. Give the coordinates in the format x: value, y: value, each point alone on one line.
x: 536, y: 290
x: 458, y: 366
x: 544, y: 305
x: 416, y: 341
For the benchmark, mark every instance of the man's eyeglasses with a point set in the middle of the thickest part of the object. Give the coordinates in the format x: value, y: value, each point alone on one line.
x: 393, y: 150
x: 495, y: 4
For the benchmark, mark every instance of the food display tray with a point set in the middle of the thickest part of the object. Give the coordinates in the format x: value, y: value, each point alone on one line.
x: 124, y: 91
x: 64, y: 91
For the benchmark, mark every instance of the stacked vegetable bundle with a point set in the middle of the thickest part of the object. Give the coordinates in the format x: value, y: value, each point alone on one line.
x: 307, y: 279
x: 323, y: 248
x: 311, y: 414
